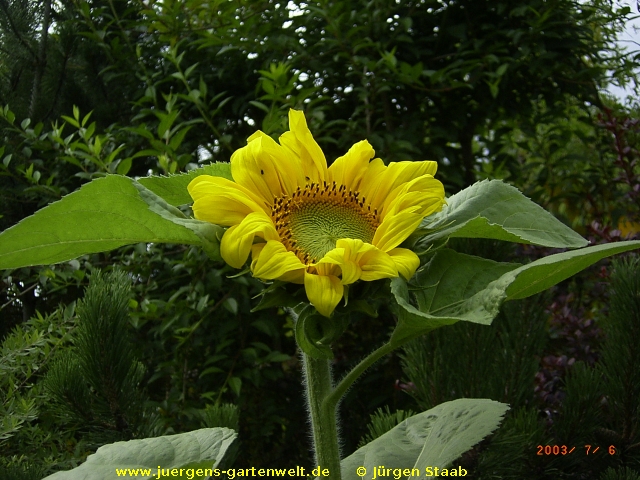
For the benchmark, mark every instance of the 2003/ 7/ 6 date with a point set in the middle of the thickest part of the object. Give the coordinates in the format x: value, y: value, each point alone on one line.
x: 564, y: 450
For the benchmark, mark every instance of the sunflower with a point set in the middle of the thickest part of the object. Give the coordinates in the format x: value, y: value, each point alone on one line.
x: 322, y: 227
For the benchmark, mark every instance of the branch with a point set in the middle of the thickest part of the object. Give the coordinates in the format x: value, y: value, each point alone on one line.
x: 19, y: 295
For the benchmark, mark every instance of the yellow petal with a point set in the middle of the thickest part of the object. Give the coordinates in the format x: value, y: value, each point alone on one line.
x: 377, y: 185
x: 375, y: 171
x: 425, y: 191
x: 237, y: 240
x: 221, y: 201
x: 405, y: 208
x: 323, y: 291
x: 349, y: 169
x: 266, y: 168
x: 293, y: 276
x: 407, y: 262
x: 272, y: 261
x: 395, y: 229
x: 324, y: 269
x: 300, y: 141
x: 350, y: 270
x: 376, y: 264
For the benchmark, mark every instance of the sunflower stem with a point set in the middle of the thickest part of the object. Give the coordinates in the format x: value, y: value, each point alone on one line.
x: 334, y: 397
x: 317, y: 373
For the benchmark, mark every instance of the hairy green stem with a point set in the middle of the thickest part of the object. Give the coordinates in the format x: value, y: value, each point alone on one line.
x: 317, y: 373
x: 334, y: 397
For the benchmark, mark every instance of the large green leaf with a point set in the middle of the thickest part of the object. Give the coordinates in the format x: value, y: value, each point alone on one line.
x: 493, y: 209
x: 102, y: 215
x: 173, y: 188
x: 434, y: 438
x: 199, y: 449
x: 454, y: 287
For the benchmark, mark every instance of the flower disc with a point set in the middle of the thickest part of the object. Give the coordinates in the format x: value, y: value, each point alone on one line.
x: 316, y: 217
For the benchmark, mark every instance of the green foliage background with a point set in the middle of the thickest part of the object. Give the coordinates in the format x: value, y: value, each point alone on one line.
x: 505, y: 89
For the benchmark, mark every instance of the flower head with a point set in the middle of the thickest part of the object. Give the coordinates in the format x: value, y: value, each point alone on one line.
x: 322, y: 227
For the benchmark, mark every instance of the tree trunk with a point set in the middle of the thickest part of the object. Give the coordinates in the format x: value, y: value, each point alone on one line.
x: 41, y: 60
x: 468, y: 159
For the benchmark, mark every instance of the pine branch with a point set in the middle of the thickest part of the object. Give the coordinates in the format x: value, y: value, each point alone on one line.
x: 5, y: 8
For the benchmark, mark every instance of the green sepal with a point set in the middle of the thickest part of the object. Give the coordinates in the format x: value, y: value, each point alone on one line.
x: 309, y: 334
x: 315, y: 333
x: 240, y: 273
x: 360, y: 306
x: 364, y: 297
x: 280, y: 294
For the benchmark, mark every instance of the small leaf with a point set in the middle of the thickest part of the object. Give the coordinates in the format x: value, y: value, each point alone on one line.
x: 259, y: 105
x: 202, y: 86
x: 236, y: 384
x: 231, y: 304
x: 176, y: 140
x: 188, y: 71
x: 200, y: 449
x: 124, y: 166
x: 202, y: 303
x: 166, y: 121
x: 85, y: 119
x: 434, y: 438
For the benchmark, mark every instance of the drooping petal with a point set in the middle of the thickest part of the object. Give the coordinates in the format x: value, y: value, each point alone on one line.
x: 221, y: 201
x: 359, y: 260
x: 293, y: 276
x: 266, y: 168
x: 375, y: 264
x: 395, y: 229
x: 341, y: 256
x: 378, y: 184
x: 323, y: 291
x: 325, y: 269
x: 300, y: 141
x: 407, y: 262
x: 349, y: 169
x: 273, y: 261
x: 237, y: 240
